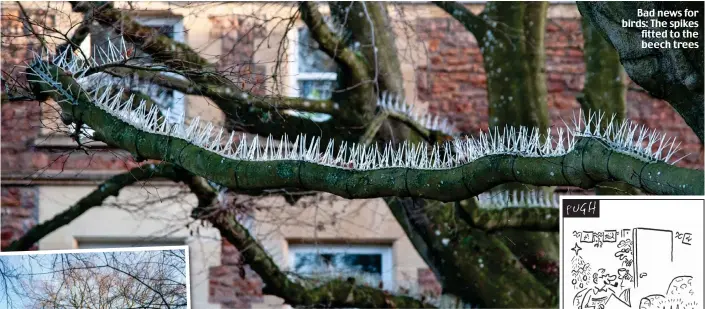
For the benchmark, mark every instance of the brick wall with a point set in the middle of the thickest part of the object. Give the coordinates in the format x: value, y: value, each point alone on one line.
x: 19, y: 212
x: 19, y: 126
x: 232, y: 284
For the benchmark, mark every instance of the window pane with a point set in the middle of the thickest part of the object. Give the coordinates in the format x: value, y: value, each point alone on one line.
x: 365, y: 267
x: 310, y: 58
x: 167, y: 30
x: 316, y: 89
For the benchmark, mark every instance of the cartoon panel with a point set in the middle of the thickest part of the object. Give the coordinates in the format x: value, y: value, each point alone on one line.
x: 633, y: 255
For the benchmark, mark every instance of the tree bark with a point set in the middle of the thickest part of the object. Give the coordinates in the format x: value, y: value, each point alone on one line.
x: 605, y: 90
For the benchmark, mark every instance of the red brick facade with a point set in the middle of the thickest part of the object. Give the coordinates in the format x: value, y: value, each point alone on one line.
x: 19, y: 212
x: 232, y: 284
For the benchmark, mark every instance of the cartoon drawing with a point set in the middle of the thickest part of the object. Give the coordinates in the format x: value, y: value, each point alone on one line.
x: 576, y: 249
x: 625, y: 253
x: 605, y: 291
x: 615, y: 267
x: 684, y: 237
x: 679, y: 295
x: 610, y: 236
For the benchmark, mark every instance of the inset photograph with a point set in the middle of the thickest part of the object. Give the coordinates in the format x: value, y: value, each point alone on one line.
x: 149, y: 278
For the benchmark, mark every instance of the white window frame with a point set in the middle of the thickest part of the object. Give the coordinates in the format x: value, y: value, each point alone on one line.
x: 127, y: 242
x: 385, y: 251
x: 294, y: 75
x: 179, y: 36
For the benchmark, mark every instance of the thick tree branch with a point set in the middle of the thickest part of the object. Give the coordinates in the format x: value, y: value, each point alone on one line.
x: 203, y: 79
x: 262, y: 121
x: 455, y: 251
x: 84, y: 29
x: 161, y: 48
x: 590, y: 162
x: 221, y: 93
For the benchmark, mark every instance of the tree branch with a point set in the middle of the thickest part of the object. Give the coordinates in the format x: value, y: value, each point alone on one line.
x: 175, y: 55
x: 222, y: 93
x: 204, y: 81
x: 84, y: 30
x: 589, y: 163
x: 455, y: 251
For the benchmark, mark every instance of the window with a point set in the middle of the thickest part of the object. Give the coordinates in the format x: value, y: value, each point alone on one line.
x: 126, y: 242
x: 173, y: 28
x: 367, y: 264
x: 313, y: 73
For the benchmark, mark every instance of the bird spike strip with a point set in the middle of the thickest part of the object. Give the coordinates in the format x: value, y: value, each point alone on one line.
x: 625, y: 136
x: 518, y: 198
x: 397, y: 104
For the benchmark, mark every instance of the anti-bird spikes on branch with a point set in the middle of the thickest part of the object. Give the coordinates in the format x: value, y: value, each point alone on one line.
x: 77, y: 66
x: 518, y: 198
x: 118, y: 53
x: 523, y: 141
x: 625, y: 137
x: 395, y: 103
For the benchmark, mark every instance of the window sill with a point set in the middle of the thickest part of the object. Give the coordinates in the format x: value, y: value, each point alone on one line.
x: 63, y: 141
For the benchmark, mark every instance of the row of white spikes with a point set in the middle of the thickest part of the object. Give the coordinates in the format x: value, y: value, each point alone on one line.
x: 626, y: 137
x: 355, y: 156
x: 395, y: 103
x: 117, y: 53
x: 521, y: 141
x: 77, y: 66
x: 518, y: 198
x: 40, y: 69
x: 103, y: 80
